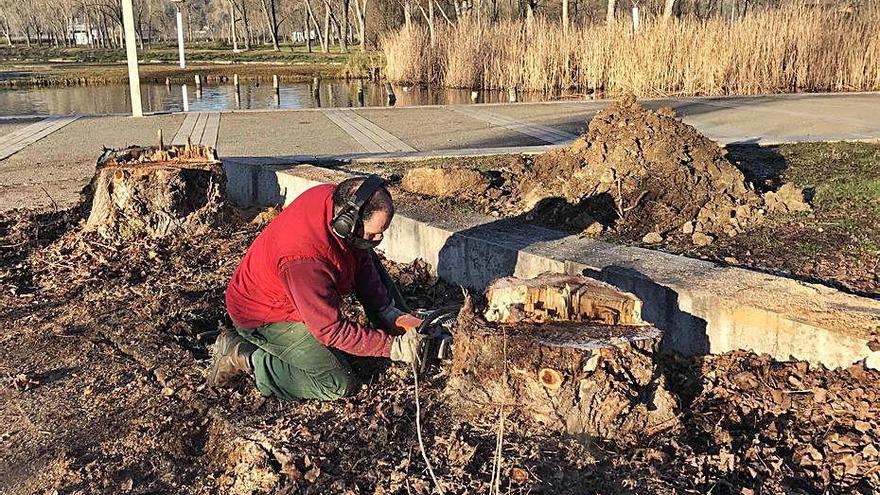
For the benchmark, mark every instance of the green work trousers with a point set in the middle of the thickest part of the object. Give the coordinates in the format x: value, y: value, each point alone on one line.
x: 291, y: 364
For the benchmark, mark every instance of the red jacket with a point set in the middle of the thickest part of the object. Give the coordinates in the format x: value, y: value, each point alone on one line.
x: 298, y: 270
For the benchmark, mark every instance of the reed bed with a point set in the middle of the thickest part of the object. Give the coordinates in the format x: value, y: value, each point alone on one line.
x: 789, y: 49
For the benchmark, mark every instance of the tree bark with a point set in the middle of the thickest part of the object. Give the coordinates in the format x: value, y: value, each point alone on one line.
x: 148, y: 192
x: 361, y: 12
x: 307, y: 34
x: 609, y: 14
x: 272, y: 22
x: 565, y: 16
x: 232, y: 32
x: 668, y: 9
x: 345, y: 25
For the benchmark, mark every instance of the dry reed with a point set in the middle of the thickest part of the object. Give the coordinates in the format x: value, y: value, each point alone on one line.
x: 766, y: 51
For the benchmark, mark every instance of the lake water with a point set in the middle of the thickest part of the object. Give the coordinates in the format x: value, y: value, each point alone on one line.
x: 159, y: 98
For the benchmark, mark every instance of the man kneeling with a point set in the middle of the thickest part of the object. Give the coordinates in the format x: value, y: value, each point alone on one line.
x: 284, y: 298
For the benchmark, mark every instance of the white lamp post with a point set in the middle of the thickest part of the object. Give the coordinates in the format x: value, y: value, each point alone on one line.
x: 134, y: 80
x: 180, y: 55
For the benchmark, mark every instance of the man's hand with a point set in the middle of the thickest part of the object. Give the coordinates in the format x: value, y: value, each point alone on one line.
x: 396, y: 321
x: 405, y: 348
x: 407, y: 322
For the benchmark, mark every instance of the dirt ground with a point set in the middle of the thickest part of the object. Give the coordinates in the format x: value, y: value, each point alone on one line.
x: 104, y: 347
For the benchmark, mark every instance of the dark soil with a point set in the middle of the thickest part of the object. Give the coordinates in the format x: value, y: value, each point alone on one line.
x: 104, y: 346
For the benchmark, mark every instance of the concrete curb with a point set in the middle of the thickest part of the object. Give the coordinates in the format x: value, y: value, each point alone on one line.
x: 701, y: 307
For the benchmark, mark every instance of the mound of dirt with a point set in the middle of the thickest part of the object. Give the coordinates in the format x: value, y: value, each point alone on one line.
x: 652, y: 172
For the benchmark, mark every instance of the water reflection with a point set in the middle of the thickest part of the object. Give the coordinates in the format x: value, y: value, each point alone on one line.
x: 158, y: 97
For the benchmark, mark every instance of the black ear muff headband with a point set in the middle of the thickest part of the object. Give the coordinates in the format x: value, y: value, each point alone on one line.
x: 350, y: 215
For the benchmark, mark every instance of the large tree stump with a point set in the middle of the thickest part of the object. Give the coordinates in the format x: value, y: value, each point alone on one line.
x: 585, y: 378
x: 148, y: 191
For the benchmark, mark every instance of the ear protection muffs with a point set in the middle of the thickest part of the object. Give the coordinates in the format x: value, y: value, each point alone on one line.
x: 345, y: 223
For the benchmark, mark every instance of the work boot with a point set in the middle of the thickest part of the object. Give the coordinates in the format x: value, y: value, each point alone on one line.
x: 231, y: 359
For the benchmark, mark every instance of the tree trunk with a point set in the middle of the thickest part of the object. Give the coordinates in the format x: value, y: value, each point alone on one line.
x: 317, y: 27
x: 586, y: 378
x: 407, y: 15
x: 361, y: 12
x: 272, y: 22
x: 429, y: 18
x: 551, y: 297
x: 147, y: 192
x: 6, y: 29
x: 668, y: 9
x: 232, y: 31
x: 247, y: 27
x: 609, y: 14
x: 307, y: 31
x: 326, y: 46
x: 345, y: 24
x: 565, y: 16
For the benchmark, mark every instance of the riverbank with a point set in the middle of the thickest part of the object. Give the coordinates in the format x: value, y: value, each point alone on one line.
x: 48, y: 66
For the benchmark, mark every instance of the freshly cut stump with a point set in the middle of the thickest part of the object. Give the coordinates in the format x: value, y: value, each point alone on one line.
x: 148, y: 191
x: 586, y: 378
x: 556, y: 297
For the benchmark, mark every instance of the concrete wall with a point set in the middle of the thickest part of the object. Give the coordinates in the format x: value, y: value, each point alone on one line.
x: 701, y: 307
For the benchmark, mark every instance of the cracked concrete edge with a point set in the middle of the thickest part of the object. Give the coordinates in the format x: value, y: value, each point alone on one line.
x: 701, y: 307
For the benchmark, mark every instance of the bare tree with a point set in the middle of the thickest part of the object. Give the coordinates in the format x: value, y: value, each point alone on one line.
x: 361, y: 12
x: 6, y: 7
x: 272, y: 22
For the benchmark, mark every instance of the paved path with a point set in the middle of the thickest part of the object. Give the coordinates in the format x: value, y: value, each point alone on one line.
x: 34, y: 157
x: 21, y: 138
x: 198, y: 128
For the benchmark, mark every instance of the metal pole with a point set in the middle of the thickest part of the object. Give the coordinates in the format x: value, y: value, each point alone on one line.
x: 134, y: 79
x: 180, y: 39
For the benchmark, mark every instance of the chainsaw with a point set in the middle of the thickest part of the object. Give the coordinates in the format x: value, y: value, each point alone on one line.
x: 437, y: 326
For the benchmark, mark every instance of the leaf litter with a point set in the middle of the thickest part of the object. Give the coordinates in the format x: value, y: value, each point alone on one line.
x: 105, y: 345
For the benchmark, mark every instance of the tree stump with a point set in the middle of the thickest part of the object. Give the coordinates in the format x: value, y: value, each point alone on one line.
x: 154, y: 192
x: 587, y: 377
